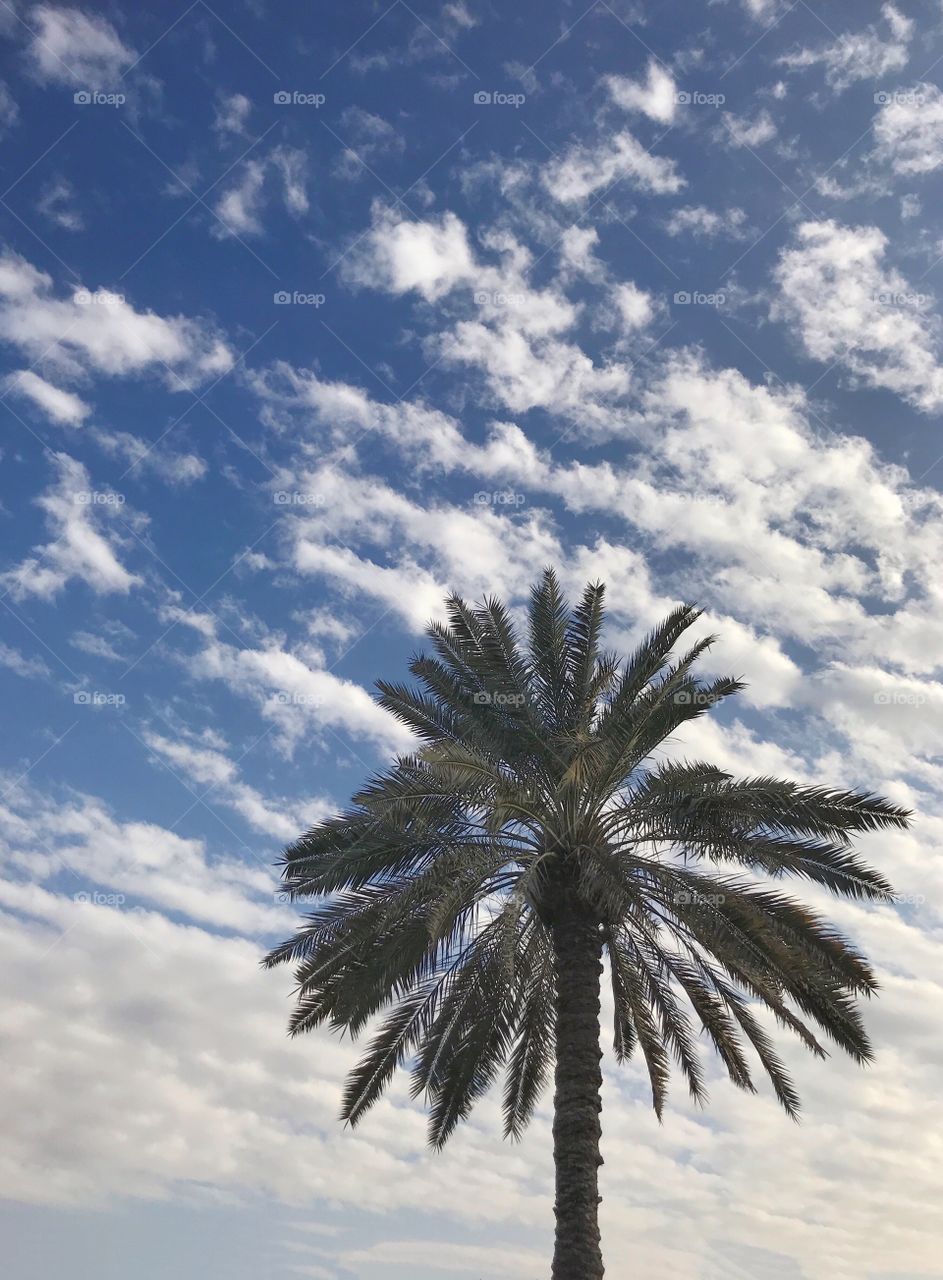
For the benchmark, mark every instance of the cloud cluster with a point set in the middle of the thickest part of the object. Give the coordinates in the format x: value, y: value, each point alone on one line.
x: 860, y: 55
x: 562, y: 413
x: 852, y: 309
x: 84, y: 545
x: 100, y: 331
x: 69, y: 46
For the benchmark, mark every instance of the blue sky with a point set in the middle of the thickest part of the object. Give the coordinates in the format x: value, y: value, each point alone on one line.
x: 311, y: 314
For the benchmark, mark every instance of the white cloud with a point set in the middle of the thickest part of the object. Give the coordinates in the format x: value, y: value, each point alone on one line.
x: 577, y: 253
x: 763, y: 9
x: 175, y: 1028
x: 910, y: 207
x: 9, y: 111
x: 434, y: 259
x: 635, y: 306
x: 478, y: 1259
x: 656, y: 98
x: 21, y: 665
x: 799, y: 530
x: 241, y: 207
x: 702, y: 223
x: 298, y: 695
x: 368, y: 137
x: 742, y: 131
x: 908, y: 130
x: 292, y: 165
x: 524, y: 374
x: 337, y: 413
x: 513, y: 334
x: 100, y: 330
x: 57, y: 204
x: 219, y: 783
x: 63, y: 407
x: 472, y: 549
x: 97, y: 646
x: 72, y: 47
x: 80, y: 840
x: 854, y: 310
x: 584, y: 170
x: 79, y: 549
x: 232, y: 112
x: 399, y: 255
x: 860, y: 55
x: 146, y: 455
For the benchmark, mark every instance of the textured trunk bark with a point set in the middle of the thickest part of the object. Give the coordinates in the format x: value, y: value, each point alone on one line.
x: 577, y: 1103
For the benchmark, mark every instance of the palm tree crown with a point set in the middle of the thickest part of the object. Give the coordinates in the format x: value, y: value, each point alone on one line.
x: 531, y: 800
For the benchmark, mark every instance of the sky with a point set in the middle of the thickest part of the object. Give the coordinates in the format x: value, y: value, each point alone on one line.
x: 310, y: 314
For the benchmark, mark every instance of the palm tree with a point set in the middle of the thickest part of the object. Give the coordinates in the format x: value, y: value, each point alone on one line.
x: 471, y: 892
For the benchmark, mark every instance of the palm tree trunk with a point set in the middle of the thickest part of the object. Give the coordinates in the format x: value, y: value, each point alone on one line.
x: 577, y: 1104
